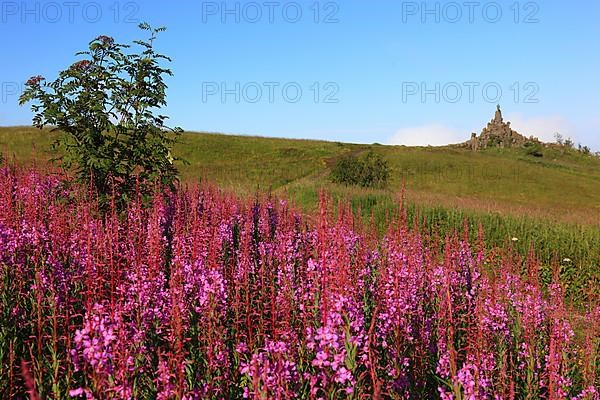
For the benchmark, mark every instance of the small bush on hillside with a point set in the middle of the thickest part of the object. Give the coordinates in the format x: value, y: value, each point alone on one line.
x: 346, y: 170
x: 369, y: 170
x: 569, y: 143
x: 533, y: 149
x: 584, y: 149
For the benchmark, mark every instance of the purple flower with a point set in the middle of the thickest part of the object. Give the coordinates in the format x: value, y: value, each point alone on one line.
x: 35, y: 80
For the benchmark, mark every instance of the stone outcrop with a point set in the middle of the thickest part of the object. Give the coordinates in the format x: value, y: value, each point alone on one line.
x: 498, y: 133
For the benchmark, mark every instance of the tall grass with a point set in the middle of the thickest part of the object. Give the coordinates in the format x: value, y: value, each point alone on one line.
x: 573, y: 249
x: 201, y: 295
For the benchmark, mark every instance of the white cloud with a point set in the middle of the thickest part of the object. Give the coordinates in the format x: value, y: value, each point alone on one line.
x: 436, y: 134
x: 430, y: 134
x: 543, y: 127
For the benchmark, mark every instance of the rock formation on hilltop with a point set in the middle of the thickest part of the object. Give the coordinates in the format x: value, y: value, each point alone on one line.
x: 498, y: 133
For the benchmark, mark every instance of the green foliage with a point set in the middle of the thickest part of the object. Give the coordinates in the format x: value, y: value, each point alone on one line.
x: 569, y: 143
x: 107, y: 104
x: 494, y: 141
x: 369, y: 170
x: 584, y: 149
x: 533, y: 149
x: 559, y: 138
x: 346, y: 170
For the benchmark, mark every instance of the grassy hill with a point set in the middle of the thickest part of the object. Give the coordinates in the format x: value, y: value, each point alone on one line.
x: 562, y: 185
x: 552, y: 201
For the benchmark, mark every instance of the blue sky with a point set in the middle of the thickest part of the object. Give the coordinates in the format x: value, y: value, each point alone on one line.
x: 381, y: 71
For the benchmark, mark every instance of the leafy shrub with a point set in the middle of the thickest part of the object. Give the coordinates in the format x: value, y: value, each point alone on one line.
x: 346, y: 170
x: 368, y: 170
x: 584, y: 149
x: 107, y: 105
x: 533, y: 149
x: 569, y: 143
x: 375, y: 170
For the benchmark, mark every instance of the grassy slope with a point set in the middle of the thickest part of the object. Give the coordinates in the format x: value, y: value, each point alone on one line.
x: 553, y: 201
x: 561, y: 186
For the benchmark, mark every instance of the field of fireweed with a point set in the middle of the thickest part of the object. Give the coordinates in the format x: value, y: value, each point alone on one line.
x: 201, y: 295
